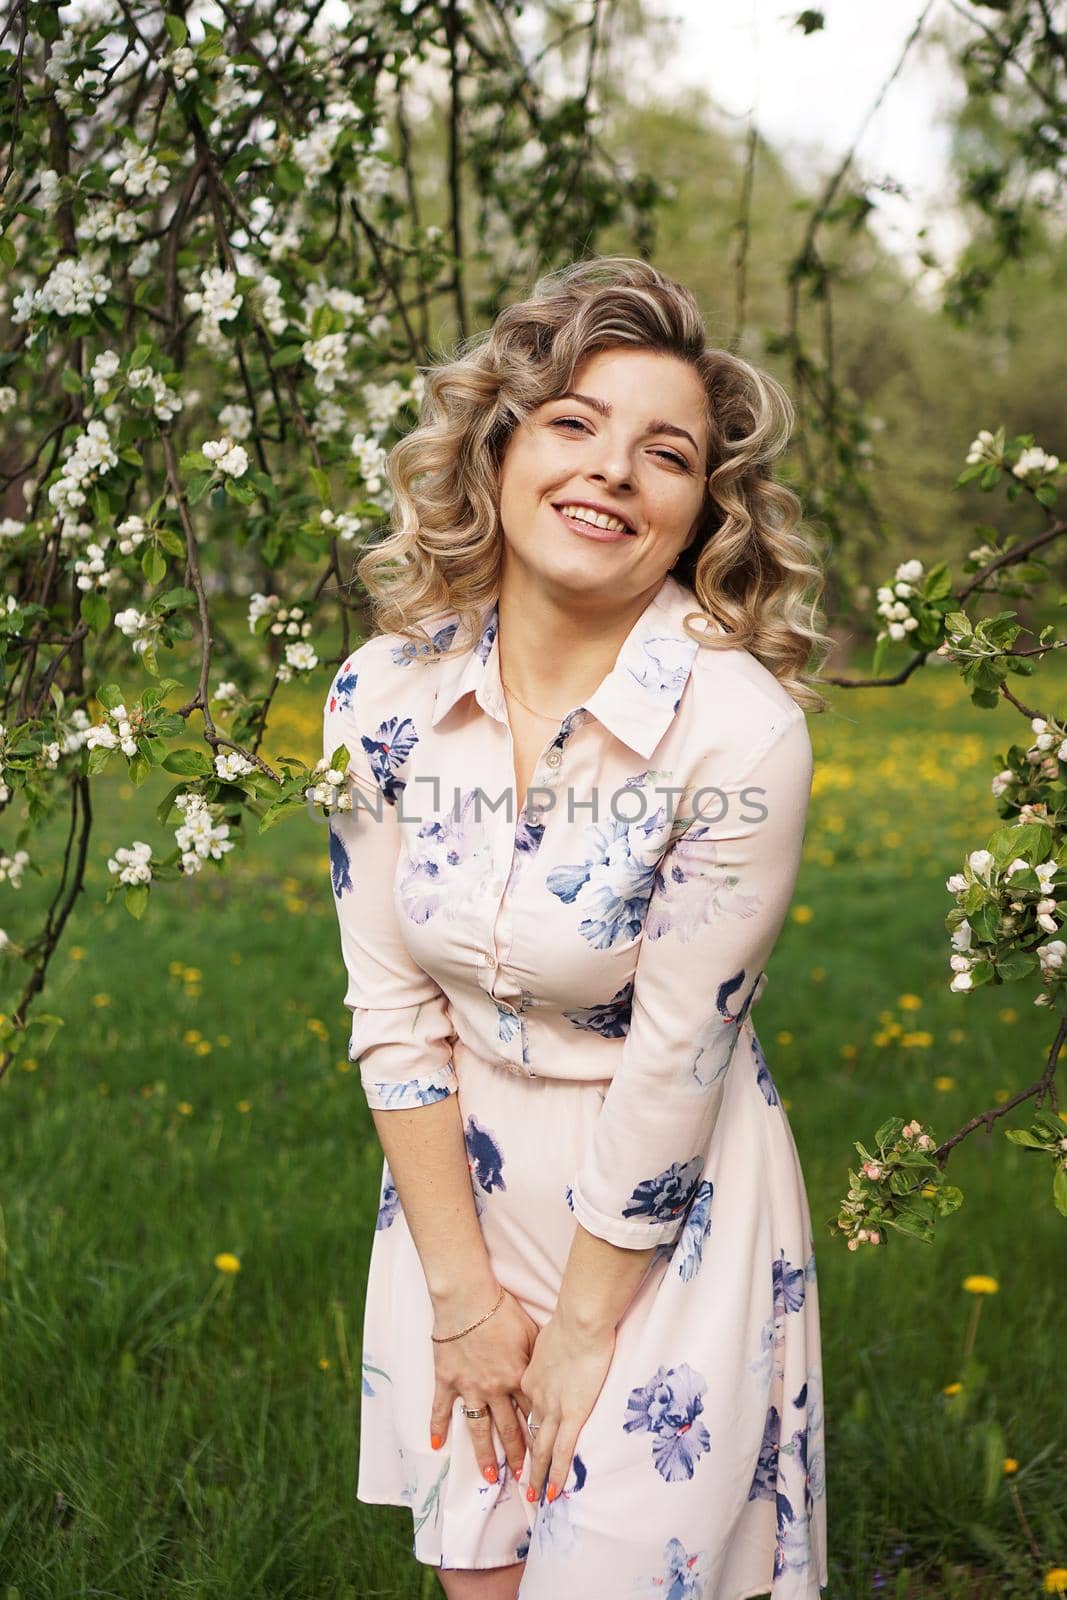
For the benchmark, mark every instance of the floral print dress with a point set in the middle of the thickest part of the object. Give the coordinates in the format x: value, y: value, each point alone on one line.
x: 582, y: 975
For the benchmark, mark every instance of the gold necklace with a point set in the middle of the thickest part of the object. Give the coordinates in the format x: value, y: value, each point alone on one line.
x: 544, y: 717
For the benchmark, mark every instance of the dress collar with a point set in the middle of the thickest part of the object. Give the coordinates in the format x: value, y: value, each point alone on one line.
x: 638, y: 698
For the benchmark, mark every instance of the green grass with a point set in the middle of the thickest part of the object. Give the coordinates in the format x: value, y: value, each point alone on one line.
x: 166, y: 1431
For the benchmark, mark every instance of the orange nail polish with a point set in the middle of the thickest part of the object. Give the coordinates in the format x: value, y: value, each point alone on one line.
x: 518, y: 1474
x: 531, y: 1493
x: 551, y: 1492
x: 436, y: 1441
x: 489, y: 1474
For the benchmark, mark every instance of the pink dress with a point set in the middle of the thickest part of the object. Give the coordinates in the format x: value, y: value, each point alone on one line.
x: 582, y: 976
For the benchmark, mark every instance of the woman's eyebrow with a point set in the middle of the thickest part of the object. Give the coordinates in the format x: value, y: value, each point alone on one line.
x: 657, y: 425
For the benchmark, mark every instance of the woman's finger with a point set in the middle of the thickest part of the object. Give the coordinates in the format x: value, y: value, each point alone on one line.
x: 481, y: 1430
x: 512, y: 1437
x: 544, y: 1440
x: 444, y: 1397
x: 560, y: 1466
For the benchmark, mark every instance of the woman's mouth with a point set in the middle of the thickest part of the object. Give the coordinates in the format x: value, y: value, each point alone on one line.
x: 589, y: 530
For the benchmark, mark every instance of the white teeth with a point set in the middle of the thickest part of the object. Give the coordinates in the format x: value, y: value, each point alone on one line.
x: 598, y: 519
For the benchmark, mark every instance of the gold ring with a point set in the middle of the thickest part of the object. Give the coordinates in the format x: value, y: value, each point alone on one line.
x: 474, y: 1415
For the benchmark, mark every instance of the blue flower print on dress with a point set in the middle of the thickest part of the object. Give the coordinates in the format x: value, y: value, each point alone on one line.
x: 507, y: 1025
x: 488, y: 634
x: 409, y: 651
x: 683, y: 1577
x: 343, y: 688
x: 689, y: 893
x: 689, y: 1251
x: 763, y: 1073
x: 785, y: 1475
x: 554, y: 1532
x: 717, y: 1038
x: 788, y: 1284
x: 669, y: 1408
x: 388, y: 1204
x: 484, y: 1157
x: 447, y: 866
x: 611, y: 1020
x: 423, y: 1091
x: 613, y: 884
x: 340, y: 863
x: 390, y: 747
x: 664, y: 665
x: 666, y: 1196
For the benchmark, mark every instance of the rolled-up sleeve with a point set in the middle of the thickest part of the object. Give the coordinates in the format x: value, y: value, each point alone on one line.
x: 718, y: 902
x: 401, y: 1033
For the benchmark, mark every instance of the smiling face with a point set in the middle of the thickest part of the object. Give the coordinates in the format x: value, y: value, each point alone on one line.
x: 631, y: 438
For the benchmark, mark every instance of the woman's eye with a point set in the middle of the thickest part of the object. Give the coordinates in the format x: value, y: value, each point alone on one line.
x: 576, y: 422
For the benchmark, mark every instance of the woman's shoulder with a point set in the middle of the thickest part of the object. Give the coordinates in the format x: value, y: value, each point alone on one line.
x: 392, y: 669
x: 737, y: 707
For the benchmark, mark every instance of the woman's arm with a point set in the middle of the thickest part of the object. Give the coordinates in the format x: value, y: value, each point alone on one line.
x: 427, y: 1161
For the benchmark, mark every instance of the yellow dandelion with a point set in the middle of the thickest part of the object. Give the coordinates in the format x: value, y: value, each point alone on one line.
x: 1000, y: 1095
x: 944, y: 1084
x: 802, y: 913
x: 909, y: 1002
x: 104, y: 1088
x: 787, y: 1104
x: 293, y: 905
x: 978, y: 1283
x: 952, y: 1388
x: 192, y: 974
x: 343, y: 1066
x: 849, y: 1052
x: 783, y: 1036
x: 291, y: 885
x: 1056, y: 1580
x: 185, y: 1108
x: 223, y: 1041
x: 204, y: 1048
x: 176, y: 968
x: 244, y: 1105
x: 1010, y: 1465
x: 957, y: 1035
x: 235, y: 957
x: 319, y: 1029
x: 919, y: 1040
x: 76, y: 952
x: 30, y: 1064
x: 146, y: 1090
x: 324, y: 1363
x: 101, y: 999
x: 192, y: 1036
x: 227, y: 1262
x: 1008, y: 1014
x: 192, y: 991
x: 818, y: 974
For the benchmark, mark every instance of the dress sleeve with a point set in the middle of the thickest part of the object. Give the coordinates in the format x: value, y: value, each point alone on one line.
x: 718, y: 901
x: 401, y: 1033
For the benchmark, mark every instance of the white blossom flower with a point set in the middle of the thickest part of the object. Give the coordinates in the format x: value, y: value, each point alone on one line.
x: 962, y: 982
x: 11, y: 867
x: 327, y: 419
x: 982, y: 448
x: 343, y: 525
x: 92, y: 570
x: 909, y: 572
x: 139, y: 172
x: 961, y: 937
x: 261, y: 605
x: 236, y: 421
x: 1050, y: 956
x: 10, y: 527
x: 372, y: 458
x: 8, y: 397
x: 140, y: 263
x: 1003, y: 780
x: 301, y: 656
x: 979, y: 862
x: 74, y: 286
x: 103, y: 370
x: 956, y: 884
x: 132, y: 864
x: 1035, y: 461
x: 199, y: 836
x: 226, y: 694
x: 232, y: 764
x: 327, y: 357
x: 229, y: 457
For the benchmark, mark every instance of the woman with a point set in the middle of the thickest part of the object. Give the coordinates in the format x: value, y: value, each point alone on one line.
x: 580, y: 770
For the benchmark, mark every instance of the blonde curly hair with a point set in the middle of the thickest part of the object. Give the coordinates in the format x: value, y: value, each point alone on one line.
x: 750, y: 565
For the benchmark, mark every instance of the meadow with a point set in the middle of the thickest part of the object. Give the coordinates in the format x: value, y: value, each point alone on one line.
x: 172, y: 1430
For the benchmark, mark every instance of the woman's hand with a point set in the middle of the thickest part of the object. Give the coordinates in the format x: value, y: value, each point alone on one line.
x: 565, y: 1375
x: 484, y: 1368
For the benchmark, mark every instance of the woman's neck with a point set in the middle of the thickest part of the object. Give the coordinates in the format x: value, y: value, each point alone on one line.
x: 555, y: 655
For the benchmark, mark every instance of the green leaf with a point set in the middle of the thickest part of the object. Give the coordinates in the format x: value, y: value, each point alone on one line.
x: 98, y: 760
x: 288, y: 177
x: 175, y: 599
x: 245, y: 493
x: 153, y: 564
x: 188, y: 762
x: 136, y: 899
x: 1024, y: 1137
x: 948, y: 1199
x: 71, y: 381
x: 938, y: 582
x: 1045, y: 493
x: 1016, y: 964
x: 179, y: 33
x: 194, y: 460
x: 140, y: 767
x: 95, y: 610
x: 287, y: 356
x: 274, y: 813
x: 1059, y: 1191
x: 322, y: 484
x: 994, y: 1453
x: 198, y: 486
x: 172, y: 541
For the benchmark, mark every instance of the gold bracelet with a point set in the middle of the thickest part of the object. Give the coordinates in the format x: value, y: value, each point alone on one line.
x: 448, y: 1337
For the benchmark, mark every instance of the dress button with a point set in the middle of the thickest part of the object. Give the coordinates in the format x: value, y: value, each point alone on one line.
x: 553, y: 758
